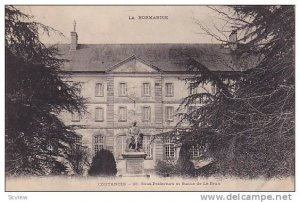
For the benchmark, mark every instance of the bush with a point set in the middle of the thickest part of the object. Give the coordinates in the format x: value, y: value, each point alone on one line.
x: 183, y: 167
x: 58, y: 169
x: 165, y: 168
x: 103, y: 164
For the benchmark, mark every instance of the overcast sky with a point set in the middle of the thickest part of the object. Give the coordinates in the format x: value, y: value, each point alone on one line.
x: 111, y: 24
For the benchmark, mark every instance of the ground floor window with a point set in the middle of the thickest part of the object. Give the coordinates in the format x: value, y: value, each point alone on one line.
x: 98, y: 143
x: 77, y: 142
x: 169, y: 148
x: 147, y: 146
x: 198, y: 150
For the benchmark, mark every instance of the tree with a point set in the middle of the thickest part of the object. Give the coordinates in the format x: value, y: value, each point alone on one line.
x: 103, y: 164
x: 79, y: 159
x: 249, y: 124
x: 35, y: 138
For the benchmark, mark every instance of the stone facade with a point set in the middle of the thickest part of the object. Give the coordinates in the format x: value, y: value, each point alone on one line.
x: 111, y: 127
x: 128, y: 83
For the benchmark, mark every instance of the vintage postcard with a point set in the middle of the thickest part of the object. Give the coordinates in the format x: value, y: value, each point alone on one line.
x: 149, y: 98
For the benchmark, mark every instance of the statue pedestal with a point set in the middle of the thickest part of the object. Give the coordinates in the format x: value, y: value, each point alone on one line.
x: 134, y: 164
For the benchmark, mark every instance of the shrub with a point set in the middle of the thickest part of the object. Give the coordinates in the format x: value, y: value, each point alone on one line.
x: 79, y: 160
x: 165, y: 168
x: 184, y: 166
x: 103, y: 164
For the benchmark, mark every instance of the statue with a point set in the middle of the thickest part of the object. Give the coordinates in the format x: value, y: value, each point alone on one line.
x: 134, y: 155
x: 134, y: 140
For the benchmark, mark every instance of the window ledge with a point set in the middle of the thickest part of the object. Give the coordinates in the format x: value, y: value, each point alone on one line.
x: 122, y: 120
x: 147, y: 121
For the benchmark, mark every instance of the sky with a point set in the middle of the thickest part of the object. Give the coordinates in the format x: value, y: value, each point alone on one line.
x: 111, y: 24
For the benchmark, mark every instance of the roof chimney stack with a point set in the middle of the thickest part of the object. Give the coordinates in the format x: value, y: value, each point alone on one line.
x: 233, y: 40
x: 74, y: 38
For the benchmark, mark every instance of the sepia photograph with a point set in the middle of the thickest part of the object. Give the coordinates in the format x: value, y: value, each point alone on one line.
x: 149, y: 98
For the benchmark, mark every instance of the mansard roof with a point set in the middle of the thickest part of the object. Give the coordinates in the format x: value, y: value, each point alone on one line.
x: 164, y: 57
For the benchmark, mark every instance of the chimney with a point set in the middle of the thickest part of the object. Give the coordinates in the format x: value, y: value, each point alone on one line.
x: 74, y: 38
x: 233, y: 40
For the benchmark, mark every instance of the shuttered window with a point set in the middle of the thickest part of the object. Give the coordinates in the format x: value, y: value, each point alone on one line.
x: 99, y: 90
x: 146, y: 90
x: 99, y: 114
x: 146, y: 113
x: 122, y: 114
x: 169, y: 113
x: 122, y: 89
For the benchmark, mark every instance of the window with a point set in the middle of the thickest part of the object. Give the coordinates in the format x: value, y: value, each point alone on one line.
x: 77, y: 142
x: 169, y: 89
x: 99, y: 90
x: 123, y: 144
x: 169, y: 113
x: 146, y: 89
x: 146, y: 113
x: 169, y: 148
x: 99, y: 114
x: 197, y: 150
x: 98, y: 143
x: 192, y: 90
x: 122, y: 89
x: 75, y: 117
x: 122, y: 114
x: 147, y: 146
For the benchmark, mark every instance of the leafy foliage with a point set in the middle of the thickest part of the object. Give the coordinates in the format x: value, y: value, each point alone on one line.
x: 185, y: 166
x: 249, y: 123
x: 103, y: 164
x: 79, y: 159
x: 35, y: 138
x: 166, y: 168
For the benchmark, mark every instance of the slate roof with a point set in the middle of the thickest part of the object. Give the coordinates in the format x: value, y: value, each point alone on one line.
x: 166, y: 57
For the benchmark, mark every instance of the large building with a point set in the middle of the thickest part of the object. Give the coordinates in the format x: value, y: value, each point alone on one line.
x: 124, y: 83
